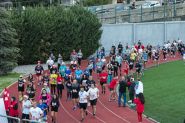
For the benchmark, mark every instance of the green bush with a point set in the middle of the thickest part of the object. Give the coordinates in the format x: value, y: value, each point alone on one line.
x: 96, y: 2
x: 8, y: 42
x: 42, y: 30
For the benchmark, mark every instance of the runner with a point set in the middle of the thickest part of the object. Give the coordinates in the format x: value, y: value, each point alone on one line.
x: 30, y: 91
x: 62, y: 69
x: 139, y: 101
x: 45, y: 78
x: 53, y: 82
x: 115, y: 67
x: 21, y: 82
x: 75, y: 89
x: 69, y: 89
x: 119, y: 59
x: 103, y: 80
x: 45, y: 97
x: 79, y: 56
x: 78, y: 74
x: 84, y: 82
x: 39, y: 71
x: 54, y: 108
x: 112, y: 89
x: 60, y: 85
x: 44, y: 108
x: 50, y: 63
x: 99, y: 66
x: 30, y: 78
x: 110, y: 71
x: 59, y: 61
x: 93, y: 97
x: 145, y: 58
x: 120, y: 48
x: 26, y: 105
x: 36, y: 113
x: 83, y: 96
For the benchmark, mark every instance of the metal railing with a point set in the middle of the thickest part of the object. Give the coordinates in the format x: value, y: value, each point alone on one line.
x: 9, y: 119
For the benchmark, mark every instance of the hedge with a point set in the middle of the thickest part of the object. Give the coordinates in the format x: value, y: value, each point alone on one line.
x: 58, y: 29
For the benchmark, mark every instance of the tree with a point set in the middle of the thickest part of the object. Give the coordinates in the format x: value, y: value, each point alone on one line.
x: 58, y: 29
x: 8, y: 42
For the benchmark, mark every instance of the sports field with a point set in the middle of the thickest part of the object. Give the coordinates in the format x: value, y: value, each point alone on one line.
x: 164, y: 89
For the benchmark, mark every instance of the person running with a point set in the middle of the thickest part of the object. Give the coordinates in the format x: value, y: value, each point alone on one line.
x: 112, y: 89
x: 90, y: 81
x: 79, y: 56
x: 126, y: 68
x: 83, y: 99
x: 74, y: 55
x: 84, y: 82
x: 54, y: 108
x: 78, y: 74
x: 45, y: 97
x: 103, y: 80
x: 13, y: 109
x: 44, y: 108
x: 39, y: 71
x: 46, y: 87
x: 26, y: 105
x: 60, y: 85
x: 73, y: 66
x: 59, y: 61
x: 90, y: 67
x: 62, y: 69
x: 120, y: 48
x: 45, y: 78
x: 99, y: 66
x: 119, y: 59
x: 115, y: 67
x: 35, y: 112
x: 30, y: 78
x: 165, y: 52
x: 122, y: 91
x: 75, y: 89
x: 53, y: 82
x: 93, y: 97
x: 145, y: 58
x: 110, y: 71
x: 21, y: 82
x: 30, y: 91
x: 50, y: 63
x: 69, y: 89
x: 139, y: 101
x: 138, y: 67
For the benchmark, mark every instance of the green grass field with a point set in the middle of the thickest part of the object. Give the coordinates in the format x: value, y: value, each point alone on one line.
x: 164, y: 90
x: 6, y: 80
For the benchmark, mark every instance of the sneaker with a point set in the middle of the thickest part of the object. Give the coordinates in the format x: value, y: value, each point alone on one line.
x: 74, y: 108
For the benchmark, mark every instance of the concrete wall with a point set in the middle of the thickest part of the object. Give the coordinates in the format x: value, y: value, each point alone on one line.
x: 153, y: 33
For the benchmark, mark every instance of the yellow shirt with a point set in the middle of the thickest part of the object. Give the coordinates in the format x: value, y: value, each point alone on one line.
x: 133, y: 56
x: 53, y: 78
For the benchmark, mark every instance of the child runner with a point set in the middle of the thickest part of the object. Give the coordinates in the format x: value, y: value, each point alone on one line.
x: 54, y: 108
x: 93, y: 97
x: 83, y: 96
x: 139, y: 101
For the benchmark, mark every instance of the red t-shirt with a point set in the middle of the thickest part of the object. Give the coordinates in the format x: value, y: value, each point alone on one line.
x: 139, y: 105
x: 113, y: 83
x: 59, y: 80
x: 103, y: 77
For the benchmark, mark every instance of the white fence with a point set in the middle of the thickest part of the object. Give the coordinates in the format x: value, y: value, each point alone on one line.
x: 155, y: 33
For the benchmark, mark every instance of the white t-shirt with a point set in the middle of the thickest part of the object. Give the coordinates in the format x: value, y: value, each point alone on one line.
x: 35, y: 113
x: 50, y: 62
x: 93, y: 93
x: 26, y: 106
x: 83, y: 96
x: 139, y: 88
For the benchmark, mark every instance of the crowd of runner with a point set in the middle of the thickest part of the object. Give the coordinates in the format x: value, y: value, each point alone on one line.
x: 81, y: 88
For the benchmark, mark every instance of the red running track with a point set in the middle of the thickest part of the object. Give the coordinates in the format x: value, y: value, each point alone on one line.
x: 107, y: 112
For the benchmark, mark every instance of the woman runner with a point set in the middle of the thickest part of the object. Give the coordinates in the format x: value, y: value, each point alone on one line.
x: 54, y: 108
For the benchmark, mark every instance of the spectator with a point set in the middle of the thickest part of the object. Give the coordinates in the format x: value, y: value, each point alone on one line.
x: 26, y: 105
x: 138, y: 87
x: 122, y: 91
x: 13, y: 109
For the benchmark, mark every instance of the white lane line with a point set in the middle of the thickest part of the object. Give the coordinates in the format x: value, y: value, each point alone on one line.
x: 113, y: 112
x: 97, y: 117
x: 69, y: 113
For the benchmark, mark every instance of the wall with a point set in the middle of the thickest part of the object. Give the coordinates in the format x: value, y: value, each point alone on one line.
x: 154, y: 33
